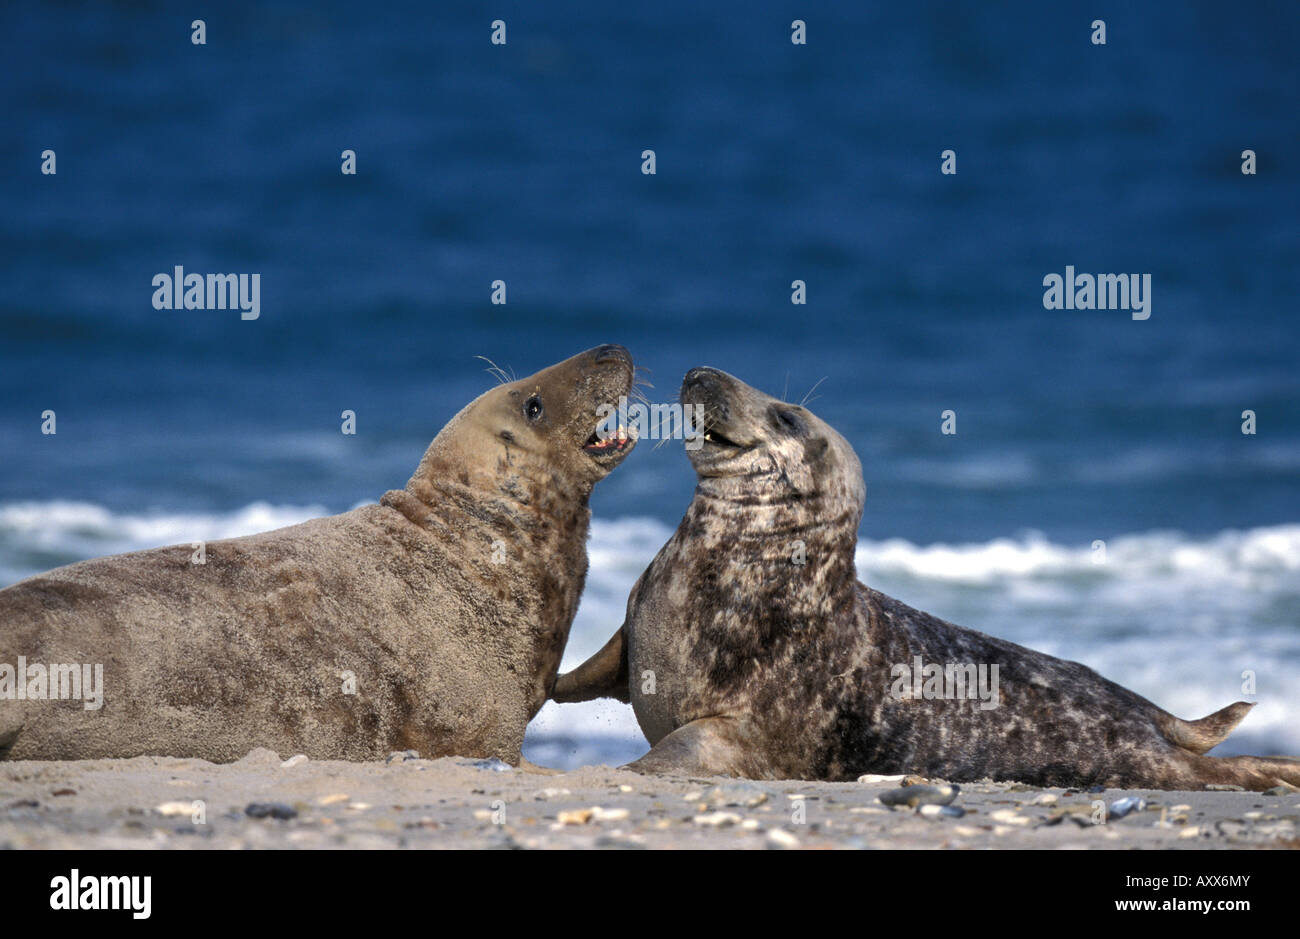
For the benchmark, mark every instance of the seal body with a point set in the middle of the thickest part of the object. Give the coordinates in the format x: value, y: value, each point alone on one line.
x: 433, y: 621
x: 751, y: 649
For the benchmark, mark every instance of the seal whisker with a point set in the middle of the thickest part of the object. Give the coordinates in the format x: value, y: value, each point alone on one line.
x: 808, y: 397
x: 496, y: 371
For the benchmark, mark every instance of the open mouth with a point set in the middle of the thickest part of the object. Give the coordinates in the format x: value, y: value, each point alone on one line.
x: 716, y: 438
x: 604, y: 443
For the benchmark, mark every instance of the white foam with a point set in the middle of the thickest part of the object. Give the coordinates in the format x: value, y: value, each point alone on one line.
x: 1231, y: 556
x: 1179, y: 619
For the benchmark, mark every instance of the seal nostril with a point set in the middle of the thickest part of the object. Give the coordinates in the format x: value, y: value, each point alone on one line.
x: 787, y: 421
x: 612, y: 352
x: 703, y: 376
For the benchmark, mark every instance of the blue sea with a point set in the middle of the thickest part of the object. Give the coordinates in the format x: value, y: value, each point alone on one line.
x: 775, y: 162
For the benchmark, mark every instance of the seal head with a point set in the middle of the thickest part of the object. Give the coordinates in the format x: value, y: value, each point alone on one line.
x: 760, y: 448
x: 537, y: 438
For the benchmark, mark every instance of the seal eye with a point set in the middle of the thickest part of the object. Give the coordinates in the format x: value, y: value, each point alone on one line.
x: 533, y: 408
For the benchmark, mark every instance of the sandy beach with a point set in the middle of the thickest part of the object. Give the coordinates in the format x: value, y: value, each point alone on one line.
x: 263, y: 801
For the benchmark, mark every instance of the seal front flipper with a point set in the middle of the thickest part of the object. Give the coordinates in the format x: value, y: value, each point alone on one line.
x: 8, y: 736
x: 711, y: 746
x: 604, y: 675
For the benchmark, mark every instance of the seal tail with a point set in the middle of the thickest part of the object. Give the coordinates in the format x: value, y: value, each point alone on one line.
x: 1200, y: 736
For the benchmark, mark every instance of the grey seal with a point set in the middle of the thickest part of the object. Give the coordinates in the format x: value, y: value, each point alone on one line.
x: 751, y: 649
x: 432, y: 621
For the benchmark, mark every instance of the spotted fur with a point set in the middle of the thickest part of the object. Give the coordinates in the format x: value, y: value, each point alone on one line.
x: 739, y: 660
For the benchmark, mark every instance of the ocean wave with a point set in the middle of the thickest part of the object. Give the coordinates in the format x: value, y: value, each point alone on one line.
x: 1008, y: 470
x: 1235, y: 557
x: 1180, y: 619
x: 37, y: 536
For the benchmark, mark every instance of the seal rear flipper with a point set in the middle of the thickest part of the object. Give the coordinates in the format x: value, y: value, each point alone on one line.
x: 1253, y: 773
x: 707, y: 747
x: 604, y: 675
x: 1208, y: 732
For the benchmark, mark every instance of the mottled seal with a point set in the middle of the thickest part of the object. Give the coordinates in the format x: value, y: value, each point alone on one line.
x: 751, y: 649
x: 434, y: 620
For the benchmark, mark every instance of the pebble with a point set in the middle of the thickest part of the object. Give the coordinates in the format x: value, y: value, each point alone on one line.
x: 1121, y: 807
x: 175, y: 808
x: 1047, y: 798
x: 270, y: 810
x: 1170, y: 819
x: 620, y: 843
x: 1224, y: 787
x: 1081, y: 813
x: 1282, y: 790
x: 742, y: 794
x: 1009, y: 817
x: 780, y: 838
x: 295, y: 760
x: 877, y: 778
x: 401, y: 756
x: 942, y: 811
x: 1190, y: 832
x: 333, y: 798
x: 912, y: 796
x: 575, y: 817
x: 491, y: 765
x: 718, y: 819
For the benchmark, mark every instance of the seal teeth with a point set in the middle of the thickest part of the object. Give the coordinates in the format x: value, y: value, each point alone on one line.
x: 605, y: 439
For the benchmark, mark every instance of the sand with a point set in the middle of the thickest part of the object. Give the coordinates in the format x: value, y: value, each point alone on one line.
x: 155, y: 802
